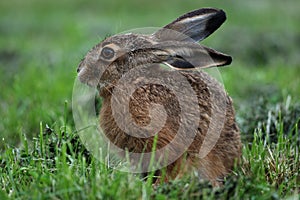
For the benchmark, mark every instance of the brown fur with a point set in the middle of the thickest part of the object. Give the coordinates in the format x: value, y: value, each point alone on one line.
x: 217, y: 164
x: 157, y: 104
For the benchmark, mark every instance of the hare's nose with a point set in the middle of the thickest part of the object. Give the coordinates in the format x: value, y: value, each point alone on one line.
x: 79, y: 68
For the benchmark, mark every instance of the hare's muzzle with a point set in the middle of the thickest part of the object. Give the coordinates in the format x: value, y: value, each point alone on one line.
x: 79, y: 69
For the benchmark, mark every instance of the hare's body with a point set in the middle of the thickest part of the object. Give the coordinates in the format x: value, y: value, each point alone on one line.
x: 218, y: 162
x: 188, y: 110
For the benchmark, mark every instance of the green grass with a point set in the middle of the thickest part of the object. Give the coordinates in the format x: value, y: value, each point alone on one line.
x: 41, y: 44
x: 57, y: 166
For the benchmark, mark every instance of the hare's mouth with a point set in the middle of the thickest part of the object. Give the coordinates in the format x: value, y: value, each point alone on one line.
x: 85, y: 78
x: 90, y: 83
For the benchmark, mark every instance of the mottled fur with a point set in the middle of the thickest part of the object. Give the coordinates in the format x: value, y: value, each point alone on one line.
x: 133, y: 51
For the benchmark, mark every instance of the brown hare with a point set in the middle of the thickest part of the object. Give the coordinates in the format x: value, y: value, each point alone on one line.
x: 153, y: 95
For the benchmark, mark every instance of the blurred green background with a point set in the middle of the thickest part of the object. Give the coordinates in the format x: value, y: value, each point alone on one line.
x: 42, y: 42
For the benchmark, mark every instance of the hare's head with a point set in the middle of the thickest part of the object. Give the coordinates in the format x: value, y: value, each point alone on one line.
x: 174, y: 45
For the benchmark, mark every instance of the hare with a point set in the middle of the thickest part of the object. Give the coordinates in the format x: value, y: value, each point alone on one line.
x: 153, y: 95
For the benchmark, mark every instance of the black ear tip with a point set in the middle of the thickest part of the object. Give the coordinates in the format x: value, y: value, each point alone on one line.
x: 222, y: 14
x: 228, y: 61
x: 216, y: 21
x: 225, y: 60
x: 220, y: 59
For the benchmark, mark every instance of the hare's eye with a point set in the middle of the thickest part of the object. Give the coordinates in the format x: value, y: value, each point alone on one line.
x: 107, y: 53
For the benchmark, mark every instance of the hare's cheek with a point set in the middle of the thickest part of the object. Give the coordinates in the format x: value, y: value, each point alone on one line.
x: 109, y: 73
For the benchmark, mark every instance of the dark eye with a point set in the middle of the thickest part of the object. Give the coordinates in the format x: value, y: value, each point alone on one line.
x: 107, y: 53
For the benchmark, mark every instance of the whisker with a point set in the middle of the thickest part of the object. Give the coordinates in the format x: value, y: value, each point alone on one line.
x: 114, y: 86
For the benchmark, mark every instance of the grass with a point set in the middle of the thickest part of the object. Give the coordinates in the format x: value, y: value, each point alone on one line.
x: 41, y: 43
x: 57, y: 166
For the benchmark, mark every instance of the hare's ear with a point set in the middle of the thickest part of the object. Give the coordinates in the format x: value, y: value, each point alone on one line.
x: 197, y: 24
x: 187, y: 55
